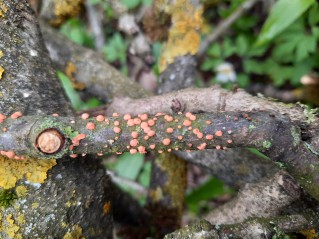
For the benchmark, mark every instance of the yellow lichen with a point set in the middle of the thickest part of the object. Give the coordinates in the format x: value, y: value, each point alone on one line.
x: 310, y: 234
x: 107, y: 207
x: 33, y: 170
x: 34, y: 205
x: 70, y: 71
x: 75, y: 233
x: 64, y: 9
x: 184, y: 35
x: 21, y: 191
x: 1, y: 54
x: 11, y: 228
x: 3, y: 9
x: 1, y: 72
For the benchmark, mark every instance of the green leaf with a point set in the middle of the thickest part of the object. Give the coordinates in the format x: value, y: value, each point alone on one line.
x: 145, y: 176
x: 76, y: 31
x: 115, y: 49
x: 313, y: 16
x: 211, y: 189
x: 242, y: 45
x: 129, y: 165
x: 243, y: 80
x: 131, y: 3
x: 283, y: 13
x: 73, y: 96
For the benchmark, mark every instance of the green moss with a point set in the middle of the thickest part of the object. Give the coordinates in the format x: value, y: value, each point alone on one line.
x: 7, y: 197
x: 251, y: 127
x: 266, y: 144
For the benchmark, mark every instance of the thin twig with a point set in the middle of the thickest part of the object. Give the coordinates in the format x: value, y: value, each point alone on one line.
x: 224, y: 25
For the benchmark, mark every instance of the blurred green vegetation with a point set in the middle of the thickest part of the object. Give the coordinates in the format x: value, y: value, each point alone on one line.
x: 277, y: 47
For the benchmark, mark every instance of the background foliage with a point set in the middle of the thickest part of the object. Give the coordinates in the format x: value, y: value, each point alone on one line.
x: 270, y: 45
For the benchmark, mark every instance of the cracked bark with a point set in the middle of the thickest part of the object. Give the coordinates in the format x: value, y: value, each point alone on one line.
x: 70, y: 198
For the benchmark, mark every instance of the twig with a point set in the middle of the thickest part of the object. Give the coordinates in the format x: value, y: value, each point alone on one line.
x: 224, y: 25
x: 96, y: 25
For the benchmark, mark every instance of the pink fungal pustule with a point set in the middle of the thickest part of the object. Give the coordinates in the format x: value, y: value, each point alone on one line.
x: 170, y: 130
x: 219, y: 133
x: 208, y: 122
x: 85, y: 116
x: 137, y: 121
x: 146, y: 130
x: 141, y: 149
x: 229, y: 141
x: 179, y: 126
x: 209, y: 137
x: 160, y: 151
x: 200, y: 135
x: 229, y: 131
x: 117, y: 129
x: 76, y: 140
x: 16, y: 115
x: 169, y: 150
x: 55, y: 114
x: 202, y: 146
x: 73, y: 156
x: 127, y: 117
x: 192, y: 117
x: 151, y: 122
x: 218, y: 147
x: 2, y: 117
x: 146, y: 137
x: 166, y: 141
x: 179, y: 113
x: 107, y: 121
x: 100, y: 118
x: 134, y: 134
x: 133, y: 151
x: 115, y: 114
x: 116, y: 123
x: 168, y: 118
x: 151, y: 133
x: 144, y: 125
x: 134, y: 142
x: 9, y: 154
x: 187, y: 123
x: 180, y: 137
x: 100, y: 154
x: 195, y: 131
x: 144, y: 117
x: 4, y: 129
x: 188, y: 114
x: 90, y: 126
x: 152, y: 146
x: 130, y: 122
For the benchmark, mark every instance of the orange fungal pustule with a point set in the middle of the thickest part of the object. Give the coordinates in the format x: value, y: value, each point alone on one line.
x: 85, y: 116
x: 117, y: 129
x: 16, y: 115
x: 90, y: 126
x: 100, y: 118
x: 219, y: 133
x: 166, y: 141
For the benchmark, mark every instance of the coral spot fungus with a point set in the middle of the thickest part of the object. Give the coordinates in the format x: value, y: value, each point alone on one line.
x: 90, y: 126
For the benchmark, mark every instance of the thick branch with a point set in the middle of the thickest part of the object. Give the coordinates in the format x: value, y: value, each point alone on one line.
x: 162, y: 132
x: 273, y: 195
x: 258, y: 228
x: 99, y: 78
